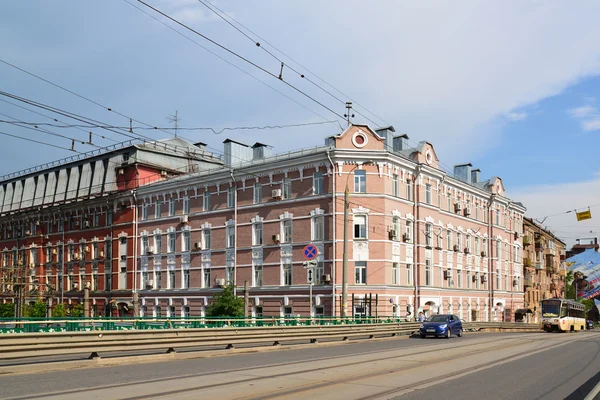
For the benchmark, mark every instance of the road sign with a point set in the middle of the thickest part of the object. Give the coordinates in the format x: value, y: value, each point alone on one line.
x: 582, y: 215
x: 310, y: 275
x: 309, y: 264
x: 310, y: 251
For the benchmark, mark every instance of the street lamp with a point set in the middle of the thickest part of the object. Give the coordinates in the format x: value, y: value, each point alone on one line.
x: 345, y: 249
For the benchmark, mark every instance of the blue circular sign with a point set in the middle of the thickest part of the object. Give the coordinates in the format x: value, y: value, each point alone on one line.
x: 310, y: 251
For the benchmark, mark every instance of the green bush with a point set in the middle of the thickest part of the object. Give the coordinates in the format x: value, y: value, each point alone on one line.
x: 226, y: 304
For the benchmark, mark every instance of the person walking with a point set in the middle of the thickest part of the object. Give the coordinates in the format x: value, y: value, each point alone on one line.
x: 421, y: 316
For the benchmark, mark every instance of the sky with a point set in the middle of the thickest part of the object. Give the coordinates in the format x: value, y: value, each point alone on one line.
x: 512, y: 86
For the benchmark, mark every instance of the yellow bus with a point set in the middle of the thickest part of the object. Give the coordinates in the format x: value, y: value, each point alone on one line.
x: 562, y: 315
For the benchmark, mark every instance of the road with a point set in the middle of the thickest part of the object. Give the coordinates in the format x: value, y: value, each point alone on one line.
x: 476, y: 366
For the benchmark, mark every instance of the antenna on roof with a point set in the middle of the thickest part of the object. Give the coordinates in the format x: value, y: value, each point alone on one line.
x: 175, y: 120
x: 349, y: 107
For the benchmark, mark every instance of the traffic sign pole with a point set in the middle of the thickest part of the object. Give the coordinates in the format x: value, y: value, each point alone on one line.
x: 310, y: 302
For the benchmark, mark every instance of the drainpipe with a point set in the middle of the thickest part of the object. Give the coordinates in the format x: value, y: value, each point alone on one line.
x: 135, y: 299
x: 416, y: 257
x: 235, y: 236
x: 333, y: 298
x: 489, y: 254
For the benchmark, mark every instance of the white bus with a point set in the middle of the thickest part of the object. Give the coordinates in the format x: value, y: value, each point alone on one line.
x: 562, y: 315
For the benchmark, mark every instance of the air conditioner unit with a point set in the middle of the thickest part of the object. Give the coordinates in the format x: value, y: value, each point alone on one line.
x: 31, y: 265
x: 406, y: 237
x: 86, y: 224
x: 123, y: 258
x: 184, y: 219
x: 276, y: 193
x: 446, y: 274
x: 9, y: 287
x: 456, y: 248
x: 483, y: 278
x: 150, y: 283
x: 458, y: 207
x: 467, y: 211
x: 326, y: 278
x: 220, y: 282
x: 467, y: 251
x: 164, y: 173
x: 54, y: 251
x: 474, y: 278
x: 121, y: 171
x: 76, y: 256
x: 87, y: 249
x: 483, y: 253
x: 76, y: 222
x: 101, y: 254
x: 150, y: 250
x: 198, y: 245
x: 37, y: 222
x: 515, y: 282
x: 28, y: 233
x: 276, y: 238
x: 393, y: 234
x: 438, y: 247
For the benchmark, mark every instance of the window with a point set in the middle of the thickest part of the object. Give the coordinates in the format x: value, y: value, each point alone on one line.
x: 186, y: 311
x: 287, y: 230
x: 157, y: 279
x: 286, y: 188
x: 409, y: 274
x: 207, y: 281
x: 186, y: 279
x: 258, y: 275
x: 459, y: 240
x: 395, y: 274
x: 186, y: 205
x: 144, y: 245
x: 360, y: 181
x: 428, y: 193
x: 360, y: 227
x: 60, y: 253
x: 171, y: 207
x: 172, y: 279
x: 186, y: 242
x: 230, y: 236
x: 477, y: 281
x: 497, y: 277
x: 145, y: 280
x: 171, y: 242
x: 458, y: 278
x: 439, y: 203
x: 516, y: 255
x: 497, y: 217
x: 287, y: 274
x: 427, y: 272
x: 231, y: 197
x: 428, y: 235
x: 157, y: 243
x: 360, y: 272
x: 408, y: 190
x: 144, y: 213
x: 477, y: 246
x: 395, y: 228
x: 157, y: 312
x: 395, y: 186
x: 477, y: 213
x: 206, y: 201
x: 94, y: 280
x: 498, y: 250
x: 317, y: 183
x: 317, y: 228
x: 257, y: 193
x: 449, y: 200
x: 409, y: 231
x: 158, y: 209
x: 257, y: 234
x: 71, y: 222
x: 469, y: 243
x: 469, y: 279
x: 206, y: 239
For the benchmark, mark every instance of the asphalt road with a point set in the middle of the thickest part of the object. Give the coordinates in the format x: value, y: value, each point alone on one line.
x: 476, y: 366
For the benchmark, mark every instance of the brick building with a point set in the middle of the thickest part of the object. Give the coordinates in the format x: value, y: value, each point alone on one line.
x: 69, y: 224
x: 420, y: 239
x: 544, y: 265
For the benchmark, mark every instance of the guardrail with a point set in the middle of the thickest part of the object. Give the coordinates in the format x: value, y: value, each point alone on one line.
x: 21, y: 345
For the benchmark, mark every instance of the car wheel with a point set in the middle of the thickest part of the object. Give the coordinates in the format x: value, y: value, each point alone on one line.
x: 448, y: 333
x: 460, y: 332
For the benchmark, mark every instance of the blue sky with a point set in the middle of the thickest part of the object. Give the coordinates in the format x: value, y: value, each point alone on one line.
x: 520, y: 102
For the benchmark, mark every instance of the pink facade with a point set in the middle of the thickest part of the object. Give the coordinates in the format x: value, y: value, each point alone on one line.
x: 419, y: 238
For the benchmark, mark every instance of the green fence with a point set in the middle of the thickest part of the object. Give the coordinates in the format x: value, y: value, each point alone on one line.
x: 31, y: 325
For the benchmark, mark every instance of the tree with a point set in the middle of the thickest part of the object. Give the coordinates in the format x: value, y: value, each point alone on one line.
x: 35, y: 310
x: 7, y: 310
x: 77, y: 311
x: 569, y: 288
x: 226, y: 304
x: 59, y: 311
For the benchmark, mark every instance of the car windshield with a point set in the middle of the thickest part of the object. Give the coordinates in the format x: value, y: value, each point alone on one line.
x: 438, y: 318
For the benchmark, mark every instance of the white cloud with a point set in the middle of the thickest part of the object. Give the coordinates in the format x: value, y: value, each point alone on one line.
x: 548, y: 200
x: 516, y: 116
x: 583, y: 111
x: 591, y: 124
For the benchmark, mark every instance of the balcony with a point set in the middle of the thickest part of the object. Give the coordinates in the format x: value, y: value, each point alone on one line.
x: 539, y: 266
x: 527, y: 262
x: 527, y: 282
x: 526, y: 240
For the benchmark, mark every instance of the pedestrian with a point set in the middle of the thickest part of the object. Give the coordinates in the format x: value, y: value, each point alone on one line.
x: 421, y: 316
x: 408, y: 316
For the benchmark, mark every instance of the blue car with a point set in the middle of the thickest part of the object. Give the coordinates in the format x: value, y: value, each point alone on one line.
x: 441, y: 325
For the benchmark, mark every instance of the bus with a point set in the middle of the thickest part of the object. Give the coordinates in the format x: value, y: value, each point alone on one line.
x: 562, y: 315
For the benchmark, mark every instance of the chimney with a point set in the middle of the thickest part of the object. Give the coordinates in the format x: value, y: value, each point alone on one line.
x: 401, y: 142
x: 236, y: 152
x: 475, y: 175
x: 387, y: 134
x: 462, y: 172
x: 260, y: 151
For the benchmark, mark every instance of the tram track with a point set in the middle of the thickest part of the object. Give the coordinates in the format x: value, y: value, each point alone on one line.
x: 410, y: 351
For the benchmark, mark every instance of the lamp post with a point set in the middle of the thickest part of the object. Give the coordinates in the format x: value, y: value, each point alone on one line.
x: 345, y: 257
